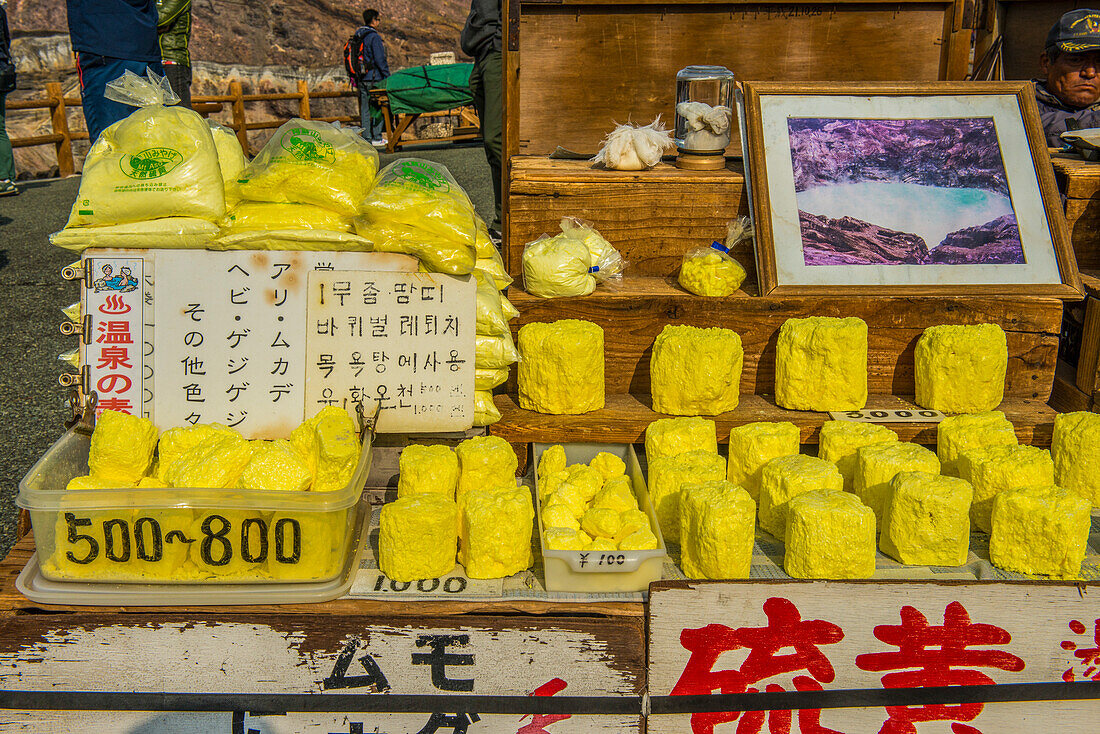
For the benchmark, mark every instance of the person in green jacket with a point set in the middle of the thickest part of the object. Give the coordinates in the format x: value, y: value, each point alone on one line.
x: 174, y: 34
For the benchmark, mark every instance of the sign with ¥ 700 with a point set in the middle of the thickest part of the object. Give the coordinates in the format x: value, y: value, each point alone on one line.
x: 902, y: 415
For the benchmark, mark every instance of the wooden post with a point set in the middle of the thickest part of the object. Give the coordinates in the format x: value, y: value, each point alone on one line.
x: 303, y: 102
x: 239, y: 123
x: 59, y: 121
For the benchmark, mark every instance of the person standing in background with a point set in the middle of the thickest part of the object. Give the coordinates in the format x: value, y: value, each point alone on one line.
x: 365, y: 61
x: 174, y: 35
x: 7, y: 84
x: 110, y: 37
x: 481, y: 39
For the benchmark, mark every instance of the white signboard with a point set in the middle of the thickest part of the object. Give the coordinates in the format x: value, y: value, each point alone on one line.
x: 114, y: 348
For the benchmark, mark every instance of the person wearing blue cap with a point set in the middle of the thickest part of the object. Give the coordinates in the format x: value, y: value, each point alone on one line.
x: 1070, y: 63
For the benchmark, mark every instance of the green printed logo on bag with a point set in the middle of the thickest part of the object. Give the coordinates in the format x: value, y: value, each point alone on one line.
x: 421, y: 175
x: 307, y: 145
x: 150, y: 163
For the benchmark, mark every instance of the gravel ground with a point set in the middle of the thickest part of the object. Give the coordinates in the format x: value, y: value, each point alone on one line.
x: 32, y: 294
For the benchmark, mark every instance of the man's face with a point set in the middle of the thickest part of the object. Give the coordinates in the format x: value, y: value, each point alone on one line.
x: 1073, y: 78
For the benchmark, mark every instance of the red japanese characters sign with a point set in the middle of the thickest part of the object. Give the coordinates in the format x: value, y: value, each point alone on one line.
x: 737, y: 638
x: 114, y: 348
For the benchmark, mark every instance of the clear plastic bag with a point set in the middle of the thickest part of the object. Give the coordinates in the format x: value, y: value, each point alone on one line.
x: 312, y: 162
x: 488, y: 256
x: 250, y: 216
x: 231, y: 159
x: 291, y: 239
x: 632, y: 148
x: 486, y: 412
x: 557, y: 266
x: 169, y: 233
x: 510, y: 311
x: 710, y: 271
x: 604, y: 256
x: 160, y: 161
x: 494, y: 352
x: 490, y: 318
x: 487, y: 379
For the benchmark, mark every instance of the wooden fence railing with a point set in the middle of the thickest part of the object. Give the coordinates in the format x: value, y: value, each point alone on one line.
x: 61, y: 137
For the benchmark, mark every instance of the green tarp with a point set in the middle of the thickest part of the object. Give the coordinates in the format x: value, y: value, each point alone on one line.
x: 429, y: 88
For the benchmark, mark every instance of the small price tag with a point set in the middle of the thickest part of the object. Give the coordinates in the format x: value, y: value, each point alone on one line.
x: 916, y: 415
x: 373, y: 583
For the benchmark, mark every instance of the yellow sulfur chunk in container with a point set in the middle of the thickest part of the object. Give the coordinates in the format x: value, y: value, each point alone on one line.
x: 755, y: 444
x: 601, y: 522
x: 711, y: 274
x: 565, y: 539
x: 427, y: 469
x: 927, y: 519
x: 840, y: 440
x: 175, y: 442
x: 609, y: 465
x: 632, y: 521
x: 122, y: 447
x: 830, y: 535
x: 787, y: 477
x: 672, y: 436
x: 586, y: 480
x: 561, y: 370
x: 217, y: 550
x: 958, y: 434
x: 89, y: 481
x: 1076, y: 454
x: 559, y: 515
x: 821, y: 364
x: 602, y: 544
x: 1040, y: 529
x: 616, y: 495
x: 717, y: 530
x: 276, y: 466
x: 484, y: 463
x: 961, y: 369
x: 304, y: 437
x: 997, y: 468
x: 496, y: 532
x: 642, y: 539
x: 668, y: 474
x: 217, y: 462
x: 307, y: 545
x: 571, y: 497
x: 418, y: 536
x: 695, y: 371
x: 877, y: 464
x: 552, y: 461
x: 335, y: 453
x: 550, y: 483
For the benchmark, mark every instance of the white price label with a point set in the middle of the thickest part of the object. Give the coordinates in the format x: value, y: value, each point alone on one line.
x: 914, y: 415
x: 373, y: 583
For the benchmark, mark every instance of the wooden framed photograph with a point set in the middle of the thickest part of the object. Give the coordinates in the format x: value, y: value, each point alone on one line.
x: 928, y: 188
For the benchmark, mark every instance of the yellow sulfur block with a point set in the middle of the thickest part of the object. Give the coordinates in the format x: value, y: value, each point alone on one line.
x: 961, y: 369
x: 427, y: 469
x: 878, y: 464
x: 1040, y: 529
x: 304, y: 437
x: 336, y: 452
x: 418, y: 536
x: 1076, y: 454
x: 668, y: 474
x: 276, y: 466
x: 122, y: 447
x: 755, y: 444
x: 175, y: 442
x: 561, y: 367
x: 565, y: 539
x: 642, y: 539
x: 496, y: 532
x: 717, y: 530
x: 586, y: 480
x: 151, y: 483
x: 609, y: 465
x: 215, y: 463
x: 559, y: 515
x: 997, y: 468
x: 601, y: 522
x: 484, y: 462
x: 632, y: 521
x: 88, y: 481
x: 672, y: 436
x: 552, y: 461
x: 571, y: 497
x: 616, y: 495
x: 830, y: 535
x: 787, y: 477
x: 821, y: 364
x: 550, y: 483
x: 958, y: 434
x: 840, y: 440
x: 927, y: 519
x: 695, y: 371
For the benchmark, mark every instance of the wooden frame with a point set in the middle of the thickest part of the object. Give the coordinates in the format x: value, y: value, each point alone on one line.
x: 1069, y: 288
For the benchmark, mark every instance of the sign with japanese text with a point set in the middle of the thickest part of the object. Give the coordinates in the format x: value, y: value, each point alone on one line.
x: 750, y: 637
x: 404, y: 341
x: 114, y: 346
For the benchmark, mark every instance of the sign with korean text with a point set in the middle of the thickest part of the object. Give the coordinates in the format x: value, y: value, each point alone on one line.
x: 114, y: 347
x: 753, y: 637
x: 403, y: 341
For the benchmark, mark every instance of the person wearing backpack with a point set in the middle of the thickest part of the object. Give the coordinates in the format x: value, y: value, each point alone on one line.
x: 365, y: 61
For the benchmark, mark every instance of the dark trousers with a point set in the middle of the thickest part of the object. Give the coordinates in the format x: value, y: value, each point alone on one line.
x: 7, y: 160
x: 179, y: 77
x: 373, y: 126
x: 95, y: 71
x: 488, y: 90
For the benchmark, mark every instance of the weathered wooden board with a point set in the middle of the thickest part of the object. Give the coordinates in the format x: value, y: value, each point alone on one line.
x: 1024, y: 25
x: 1088, y: 364
x: 737, y: 637
x: 633, y: 313
x: 1083, y: 222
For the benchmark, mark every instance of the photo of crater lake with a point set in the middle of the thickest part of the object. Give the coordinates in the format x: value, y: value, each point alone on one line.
x: 902, y: 192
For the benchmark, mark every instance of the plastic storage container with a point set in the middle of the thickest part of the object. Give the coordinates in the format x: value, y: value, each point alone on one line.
x: 187, y: 536
x: 704, y: 109
x: 602, y: 571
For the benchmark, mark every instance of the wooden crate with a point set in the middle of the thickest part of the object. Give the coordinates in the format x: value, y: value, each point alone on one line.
x: 1079, y: 182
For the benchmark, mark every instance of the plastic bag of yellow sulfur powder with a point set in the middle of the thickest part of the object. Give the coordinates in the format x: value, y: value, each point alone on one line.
x: 268, y: 225
x: 231, y: 159
x: 312, y: 162
x: 160, y: 161
x: 168, y: 233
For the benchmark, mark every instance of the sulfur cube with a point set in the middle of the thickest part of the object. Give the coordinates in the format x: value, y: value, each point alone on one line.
x: 961, y: 369
x: 755, y: 444
x: 552, y: 461
x: 830, y: 535
x: 175, y: 442
x: 672, y: 436
x: 496, y: 532
x: 695, y: 371
x: 642, y: 539
x: 559, y: 515
x: 1076, y: 454
x: 1040, y: 529
x: 418, y: 536
x: 427, y: 469
x: 274, y: 466
x: 601, y: 522
x: 304, y: 437
x: 997, y: 468
x: 335, y: 453
x: 668, y: 474
x: 122, y: 447
x: 609, y: 465
x: 958, y: 434
x: 565, y: 539
x: 717, y: 530
x: 484, y: 462
x: 877, y: 464
x: 214, y: 463
x: 927, y: 519
x: 840, y: 440
x: 821, y: 364
x: 787, y: 477
x: 561, y: 367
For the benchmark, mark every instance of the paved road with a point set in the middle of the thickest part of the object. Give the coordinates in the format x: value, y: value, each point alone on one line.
x: 32, y: 295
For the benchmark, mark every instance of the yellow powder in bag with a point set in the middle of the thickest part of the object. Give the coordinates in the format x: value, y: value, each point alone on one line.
x: 557, y: 266
x: 231, y: 159
x: 168, y: 233
x: 486, y: 412
x: 267, y: 215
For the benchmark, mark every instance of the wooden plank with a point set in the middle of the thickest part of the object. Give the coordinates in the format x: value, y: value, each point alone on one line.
x: 1088, y: 363
x: 1083, y: 221
x: 625, y: 417
x: 1077, y: 178
x: 1065, y: 397
x: 1025, y: 25
x: 832, y: 635
x: 633, y: 313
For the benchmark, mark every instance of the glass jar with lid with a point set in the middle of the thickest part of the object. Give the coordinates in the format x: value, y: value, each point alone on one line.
x: 704, y: 110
